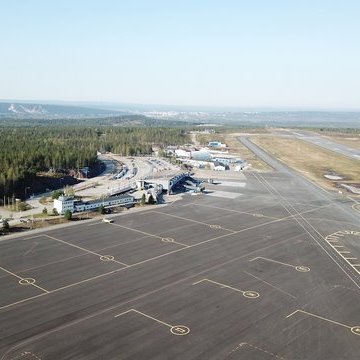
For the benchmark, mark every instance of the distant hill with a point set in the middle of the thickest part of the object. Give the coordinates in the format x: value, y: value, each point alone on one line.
x: 46, y: 111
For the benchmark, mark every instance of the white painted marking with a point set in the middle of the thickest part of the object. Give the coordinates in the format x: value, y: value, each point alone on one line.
x: 225, y: 194
x: 232, y: 184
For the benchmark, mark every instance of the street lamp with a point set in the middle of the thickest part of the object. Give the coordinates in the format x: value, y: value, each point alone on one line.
x: 26, y: 188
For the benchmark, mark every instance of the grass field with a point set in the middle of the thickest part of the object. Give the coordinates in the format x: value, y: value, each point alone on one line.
x: 311, y: 160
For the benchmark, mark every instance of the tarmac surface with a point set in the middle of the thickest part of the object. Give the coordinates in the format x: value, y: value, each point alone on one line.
x: 264, y: 269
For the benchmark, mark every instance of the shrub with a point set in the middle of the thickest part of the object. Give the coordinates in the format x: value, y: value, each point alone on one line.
x: 68, y: 215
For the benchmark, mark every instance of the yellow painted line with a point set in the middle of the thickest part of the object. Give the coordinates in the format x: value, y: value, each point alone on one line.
x: 148, y: 316
x: 139, y: 263
x: 246, y: 293
x: 23, y: 300
x: 153, y: 258
x: 21, y: 278
x: 147, y: 234
x: 271, y: 285
x: 354, y: 329
x: 83, y: 249
x: 192, y: 220
x: 299, y: 268
x: 174, y: 329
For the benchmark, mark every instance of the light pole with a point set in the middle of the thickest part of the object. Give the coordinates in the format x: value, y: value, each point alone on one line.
x: 26, y: 188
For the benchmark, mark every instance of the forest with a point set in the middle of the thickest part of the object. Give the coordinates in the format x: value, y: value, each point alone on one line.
x: 26, y: 151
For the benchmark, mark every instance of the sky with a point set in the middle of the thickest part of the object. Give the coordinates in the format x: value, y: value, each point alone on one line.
x: 254, y: 53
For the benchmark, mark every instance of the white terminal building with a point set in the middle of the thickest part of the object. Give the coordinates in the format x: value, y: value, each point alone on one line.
x: 64, y: 203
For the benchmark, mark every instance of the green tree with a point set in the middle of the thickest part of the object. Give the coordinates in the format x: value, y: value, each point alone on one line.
x: 143, y: 199
x: 151, y: 200
x: 45, y: 211
x: 102, y: 209
x: 68, y: 215
x: 56, y: 194
x: 55, y: 212
x: 6, y: 226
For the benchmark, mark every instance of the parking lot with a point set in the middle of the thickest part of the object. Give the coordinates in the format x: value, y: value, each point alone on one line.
x: 249, y: 276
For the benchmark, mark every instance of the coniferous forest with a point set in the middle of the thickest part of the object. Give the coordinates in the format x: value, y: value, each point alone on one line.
x: 26, y: 151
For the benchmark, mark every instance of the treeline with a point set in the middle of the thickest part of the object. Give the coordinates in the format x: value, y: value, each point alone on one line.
x: 27, y: 151
x: 82, y: 121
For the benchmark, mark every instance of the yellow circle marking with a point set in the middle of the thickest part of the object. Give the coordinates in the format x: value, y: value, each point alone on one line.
x: 355, y: 330
x: 302, y: 268
x: 251, y: 294
x: 27, y: 281
x: 168, y: 239
x: 215, y: 226
x: 106, y: 258
x: 179, y: 330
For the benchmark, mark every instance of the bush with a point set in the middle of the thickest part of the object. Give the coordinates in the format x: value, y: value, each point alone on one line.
x: 143, y: 199
x: 23, y: 206
x: 45, y: 211
x: 68, y: 215
x: 55, y: 212
x: 6, y: 226
x: 151, y: 200
x: 102, y: 210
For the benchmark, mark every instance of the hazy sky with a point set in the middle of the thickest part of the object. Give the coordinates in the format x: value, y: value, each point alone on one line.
x: 240, y: 53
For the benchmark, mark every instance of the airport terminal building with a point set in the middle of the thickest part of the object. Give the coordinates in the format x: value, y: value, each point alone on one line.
x: 64, y: 203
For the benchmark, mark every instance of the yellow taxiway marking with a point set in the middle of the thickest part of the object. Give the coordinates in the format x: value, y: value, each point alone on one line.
x: 174, y: 329
x: 213, y: 226
x: 24, y: 281
x: 334, y: 237
x: 299, y: 268
x: 354, y: 329
x: 101, y: 257
x: 271, y: 285
x: 148, y: 234
x: 247, y: 293
x: 146, y: 261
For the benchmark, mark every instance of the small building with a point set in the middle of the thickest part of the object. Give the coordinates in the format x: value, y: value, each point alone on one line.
x: 216, y: 144
x: 182, y: 153
x: 218, y: 166
x: 227, y: 160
